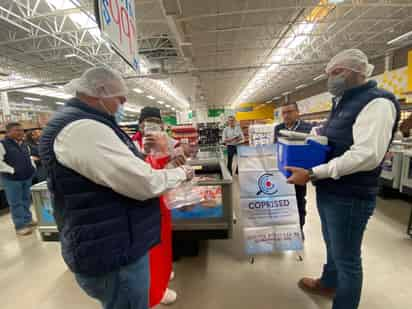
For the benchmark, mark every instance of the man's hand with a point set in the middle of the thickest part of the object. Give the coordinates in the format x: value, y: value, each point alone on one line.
x: 157, y: 142
x: 189, y: 171
x: 178, y: 160
x: 299, y: 176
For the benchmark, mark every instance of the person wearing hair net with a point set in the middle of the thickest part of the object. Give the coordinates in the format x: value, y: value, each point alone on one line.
x: 105, y: 197
x: 360, y: 128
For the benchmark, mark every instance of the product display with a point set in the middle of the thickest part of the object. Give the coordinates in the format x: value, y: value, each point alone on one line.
x: 185, y: 134
x: 261, y: 134
x: 209, y: 134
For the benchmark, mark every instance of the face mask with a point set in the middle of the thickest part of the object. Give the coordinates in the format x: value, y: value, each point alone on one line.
x: 337, y: 85
x: 118, y: 116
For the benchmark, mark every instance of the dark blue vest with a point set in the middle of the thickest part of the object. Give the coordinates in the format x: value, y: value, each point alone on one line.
x: 339, y: 130
x: 100, y: 230
x: 18, y: 157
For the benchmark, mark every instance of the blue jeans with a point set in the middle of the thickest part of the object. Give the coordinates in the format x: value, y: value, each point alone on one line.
x: 344, y: 221
x: 127, y: 288
x: 18, y: 196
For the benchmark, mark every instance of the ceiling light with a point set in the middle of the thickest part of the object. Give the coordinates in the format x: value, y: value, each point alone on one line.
x: 286, y: 93
x: 161, y: 102
x: 60, y: 103
x: 168, y: 106
x: 301, y: 86
x: 321, y: 76
x: 270, y: 101
x: 276, y: 98
x: 150, y: 97
x: 138, y: 90
x: 32, y: 99
x: 336, y: 1
x: 400, y: 38
x: 70, y: 56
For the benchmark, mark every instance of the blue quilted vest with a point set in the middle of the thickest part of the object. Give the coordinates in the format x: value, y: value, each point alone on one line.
x: 100, y: 230
x: 18, y: 157
x: 339, y: 130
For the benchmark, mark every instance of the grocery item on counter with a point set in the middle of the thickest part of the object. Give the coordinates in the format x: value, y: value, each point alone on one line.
x: 188, y: 194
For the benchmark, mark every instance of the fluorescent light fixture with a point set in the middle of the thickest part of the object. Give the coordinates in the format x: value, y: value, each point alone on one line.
x: 150, y: 97
x: 168, y: 106
x: 335, y: 1
x: 138, y: 90
x: 286, y: 93
x: 173, y: 109
x: 161, y: 102
x: 299, y: 35
x: 70, y: 56
x: 301, y: 86
x: 60, y: 103
x: 400, y: 38
x: 47, y: 92
x: 32, y: 99
x: 270, y: 101
x: 80, y: 19
x: 276, y: 98
x: 321, y: 76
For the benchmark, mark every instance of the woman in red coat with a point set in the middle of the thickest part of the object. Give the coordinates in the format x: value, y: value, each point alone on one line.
x: 161, y: 255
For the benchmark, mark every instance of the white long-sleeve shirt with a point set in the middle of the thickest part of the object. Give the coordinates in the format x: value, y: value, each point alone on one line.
x: 4, y: 167
x: 231, y: 133
x: 93, y: 150
x: 372, y: 132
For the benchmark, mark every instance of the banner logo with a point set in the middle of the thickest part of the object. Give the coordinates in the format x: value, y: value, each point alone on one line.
x: 267, y: 184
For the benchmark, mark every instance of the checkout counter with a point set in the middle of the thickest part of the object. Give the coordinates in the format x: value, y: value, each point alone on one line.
x: 212, y: 220
x: 406, y: 181
x: 397, y: 171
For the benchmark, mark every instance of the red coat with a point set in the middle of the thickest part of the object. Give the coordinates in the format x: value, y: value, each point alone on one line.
x: 160, y: 256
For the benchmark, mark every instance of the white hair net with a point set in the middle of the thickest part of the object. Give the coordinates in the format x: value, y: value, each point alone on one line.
x: 99, y: 82
x: 351, y: 59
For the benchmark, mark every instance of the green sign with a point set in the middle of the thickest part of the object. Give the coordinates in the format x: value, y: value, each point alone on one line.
x: 170, y: 120
x: 215, y: 112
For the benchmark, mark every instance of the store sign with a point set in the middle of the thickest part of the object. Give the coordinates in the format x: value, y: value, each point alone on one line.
x: 118, y: 23
x: 269, y: 211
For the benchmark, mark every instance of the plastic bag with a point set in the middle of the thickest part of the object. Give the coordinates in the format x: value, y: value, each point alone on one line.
x: 186, y: 194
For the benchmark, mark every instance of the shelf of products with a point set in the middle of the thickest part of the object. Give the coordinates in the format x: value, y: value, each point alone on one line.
x: 245, y: 124
x: 185, y: 134
x: 130, y: 128
x: 209, y: 133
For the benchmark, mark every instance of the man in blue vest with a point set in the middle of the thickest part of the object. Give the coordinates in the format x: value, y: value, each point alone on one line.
x: 17, y: 171
x: 359, y: 129
x: 105, y: 197
x: 292, y: 122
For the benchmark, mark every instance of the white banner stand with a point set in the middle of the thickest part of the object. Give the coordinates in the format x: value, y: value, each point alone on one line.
x: 269, y: 213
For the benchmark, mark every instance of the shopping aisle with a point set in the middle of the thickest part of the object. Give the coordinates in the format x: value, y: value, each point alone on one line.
x: 33, y: 274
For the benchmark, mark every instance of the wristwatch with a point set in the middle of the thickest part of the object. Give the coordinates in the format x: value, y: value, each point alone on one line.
x: 312, y: 176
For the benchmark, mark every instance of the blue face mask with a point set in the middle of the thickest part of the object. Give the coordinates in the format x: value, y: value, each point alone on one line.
x: 118, y: 116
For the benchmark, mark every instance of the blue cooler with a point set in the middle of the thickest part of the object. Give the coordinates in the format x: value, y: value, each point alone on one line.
x: 304, y: 153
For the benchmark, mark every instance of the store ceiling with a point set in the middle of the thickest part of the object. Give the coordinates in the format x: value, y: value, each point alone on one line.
x: 214, y: 53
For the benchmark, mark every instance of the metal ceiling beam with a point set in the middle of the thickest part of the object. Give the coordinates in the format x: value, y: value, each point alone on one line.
x: 260, y: 26
x: 356, y: 4
x: 41, y: 29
